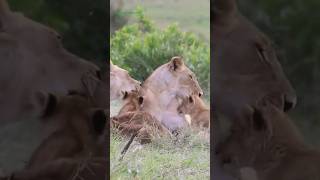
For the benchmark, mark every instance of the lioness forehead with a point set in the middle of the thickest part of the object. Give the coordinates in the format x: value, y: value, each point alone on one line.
x: 118, y: 69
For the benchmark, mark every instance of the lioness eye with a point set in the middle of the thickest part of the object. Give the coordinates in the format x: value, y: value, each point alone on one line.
x: 191, y: 76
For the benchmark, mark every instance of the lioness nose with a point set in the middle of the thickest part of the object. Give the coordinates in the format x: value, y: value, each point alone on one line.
x: 289, y: 102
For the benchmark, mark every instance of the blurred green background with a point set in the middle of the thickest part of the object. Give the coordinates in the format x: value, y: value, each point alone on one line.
x: 189, y: 14
x: 294, y: 25
x: 147, y: 34
x: 82, y: 24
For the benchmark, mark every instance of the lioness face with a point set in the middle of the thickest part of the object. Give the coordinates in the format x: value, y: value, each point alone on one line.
x: 121, y: 83
x: 182, y: 79
x: 245, y: 65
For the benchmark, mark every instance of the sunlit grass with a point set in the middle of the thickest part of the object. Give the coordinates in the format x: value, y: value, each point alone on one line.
x: 184, y: 157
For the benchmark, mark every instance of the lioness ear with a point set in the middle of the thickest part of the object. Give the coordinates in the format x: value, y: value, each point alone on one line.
x: 176, y: 63
x: 46, y: 102
x: 99, y: 121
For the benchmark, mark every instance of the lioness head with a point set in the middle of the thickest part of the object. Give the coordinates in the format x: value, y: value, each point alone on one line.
x: 261, y: 141
x: 120, y: 82
x: 245, y: 65
x: 174, y: 76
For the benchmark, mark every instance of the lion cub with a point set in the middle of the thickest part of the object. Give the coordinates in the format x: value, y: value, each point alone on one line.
x: 131, y: 120
x: 80, y: 127
x: 269, y: 143
x: 132, y: 101
x: 198, y: 111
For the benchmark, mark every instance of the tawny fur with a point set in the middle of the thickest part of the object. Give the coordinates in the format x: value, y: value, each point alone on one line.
x: 198, y: 111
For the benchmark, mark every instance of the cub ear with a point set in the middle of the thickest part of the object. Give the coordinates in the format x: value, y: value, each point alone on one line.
x: 260, y: 123
x: 99, y: 120
x: 46, y: 103
x: 191, y: 100
x: 176, y: 63
x: 140, y: 100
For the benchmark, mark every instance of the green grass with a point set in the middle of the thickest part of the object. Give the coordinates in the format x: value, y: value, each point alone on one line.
x: 184, y: 157
x: 189, y: 14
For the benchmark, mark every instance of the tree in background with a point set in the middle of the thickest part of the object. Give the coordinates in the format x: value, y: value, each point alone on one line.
x: 82, y: 24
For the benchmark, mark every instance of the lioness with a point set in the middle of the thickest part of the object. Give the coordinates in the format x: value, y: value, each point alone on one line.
x: 164, y: 89
x: 121, y: 83
x: 270, y: 143
x: 198, y: 111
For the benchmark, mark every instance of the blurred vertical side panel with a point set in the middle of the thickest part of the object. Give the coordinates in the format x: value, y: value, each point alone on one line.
x: 52, y: 52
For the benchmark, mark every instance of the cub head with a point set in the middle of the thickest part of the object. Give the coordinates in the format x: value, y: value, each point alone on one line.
x: 73, y: 110
x: 134, y: 97
x: 186, y: 105
x: 265, y: 135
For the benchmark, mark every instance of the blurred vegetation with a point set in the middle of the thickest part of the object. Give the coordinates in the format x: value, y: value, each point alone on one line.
x: 141, y: 47
x: 190, y: 15
x: 81, y: 23
x: 295, y: 27
x: 118, y: 17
